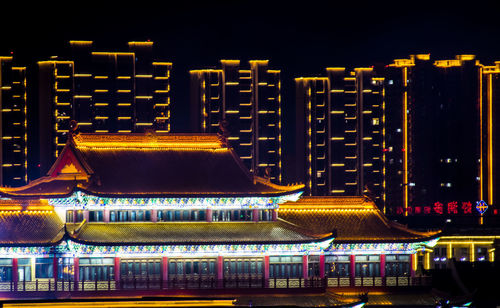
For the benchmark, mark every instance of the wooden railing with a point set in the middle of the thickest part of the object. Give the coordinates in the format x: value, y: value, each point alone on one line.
x: 51, y: 285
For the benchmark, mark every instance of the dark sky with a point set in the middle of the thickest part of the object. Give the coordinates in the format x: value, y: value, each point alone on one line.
x: 300, y: 38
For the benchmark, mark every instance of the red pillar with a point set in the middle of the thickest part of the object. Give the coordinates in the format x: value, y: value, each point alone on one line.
x: 220, y: 268
x: 76, y: 269
x: 352, y: 269
x: 275, y: 215
x: 382, y: 266
x: 154, y: 216
x: 255, y: 214
x: 86, y: 215
x: 105, y: 215
x: 322, y: 266
x: 117, y: 269
x: 305, y: 268
x: 412, y: 265
x: 266, y: 267
x: 54, y: 268
x: 164, y: 268
x: 15, y: 274
x: 208, y: 216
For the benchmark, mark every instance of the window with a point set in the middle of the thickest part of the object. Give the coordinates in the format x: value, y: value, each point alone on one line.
x: 397, y: 265
x: 184, y: 215
x: 191, y: 267
x: 440, y: 257
x: 243, y: 267
x: 24, y: 269
x: 122, y: 216
x: 65, y: 269
x: 464, y: 254
x: 237, y: 215
x: 140, y: 268
x: 79, y: 216
x: 285, y: 267
x: 112, y: 216
x: 5, y: 270
x: 70, y: 216
x: 95, y: 216
x: 44, y: 268
x: 367, y: 266
x: 96, y: 269
x: 482, y: 254
x: 337, y: 266
x: 313, y: 266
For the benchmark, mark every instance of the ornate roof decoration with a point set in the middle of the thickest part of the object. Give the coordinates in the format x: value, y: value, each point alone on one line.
x: 148, y: 165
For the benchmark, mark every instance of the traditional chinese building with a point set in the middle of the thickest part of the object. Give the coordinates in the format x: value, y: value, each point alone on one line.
x: 167, y: 211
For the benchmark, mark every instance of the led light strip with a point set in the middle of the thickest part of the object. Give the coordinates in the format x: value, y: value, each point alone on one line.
x: 82, y: 200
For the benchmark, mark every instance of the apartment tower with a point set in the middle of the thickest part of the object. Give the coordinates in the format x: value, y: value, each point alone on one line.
x: 243, y: 103
x: 104, y: 92
x: 437, y: 140
x: 13, y: 123
x: 340, y: 133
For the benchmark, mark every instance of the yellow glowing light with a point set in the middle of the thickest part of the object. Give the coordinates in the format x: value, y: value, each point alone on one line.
x: 490, y: 139
x: 48, y: 208
x: 405, y: 139
x: 11, y: 207
x: 134, y: 44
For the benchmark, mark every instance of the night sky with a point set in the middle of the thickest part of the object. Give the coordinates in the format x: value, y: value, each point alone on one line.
x: 299, y: 38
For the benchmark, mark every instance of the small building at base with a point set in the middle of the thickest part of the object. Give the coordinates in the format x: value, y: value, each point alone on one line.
x: 120, y: 211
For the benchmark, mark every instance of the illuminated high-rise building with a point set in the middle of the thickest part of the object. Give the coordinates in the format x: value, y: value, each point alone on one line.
x: 340, y: 133
x: 490, y: 169
x: 247, y: 102
x: 115, y: 92
x: 434, y: 130
x: 13, y: 123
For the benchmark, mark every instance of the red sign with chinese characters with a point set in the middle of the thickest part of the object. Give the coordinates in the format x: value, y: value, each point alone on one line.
x: 440, y: 208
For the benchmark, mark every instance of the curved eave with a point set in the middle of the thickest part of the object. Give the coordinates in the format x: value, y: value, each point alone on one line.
x: 35, y: 196
x: 189, y: 194
x: 386, y: 241
x: 14, y: 195
x: 52, y: 243
x: 308, y: 241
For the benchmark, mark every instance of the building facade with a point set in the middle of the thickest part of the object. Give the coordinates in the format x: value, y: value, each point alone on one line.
x: 340, y: 133
x: 489, y: 133
x: 13, y: 123
x: 436, y: 131
x: 103, y: 92
x: 189, y: 216
x: 247, y: 102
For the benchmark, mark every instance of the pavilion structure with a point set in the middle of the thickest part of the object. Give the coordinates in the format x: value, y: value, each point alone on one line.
x: 168, y: 211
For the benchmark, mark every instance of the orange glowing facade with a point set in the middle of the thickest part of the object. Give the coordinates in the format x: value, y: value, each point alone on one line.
x: 248, y: 101
x: 340, y: 133
x: 13, y: 123
x: 116, y: 92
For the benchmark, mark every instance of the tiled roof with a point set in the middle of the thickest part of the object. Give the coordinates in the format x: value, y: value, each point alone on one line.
x: 192, y: 233
x: 30, y: 228
x: 42, y: 187
x: 355, y: 219
x: 167, y: 165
